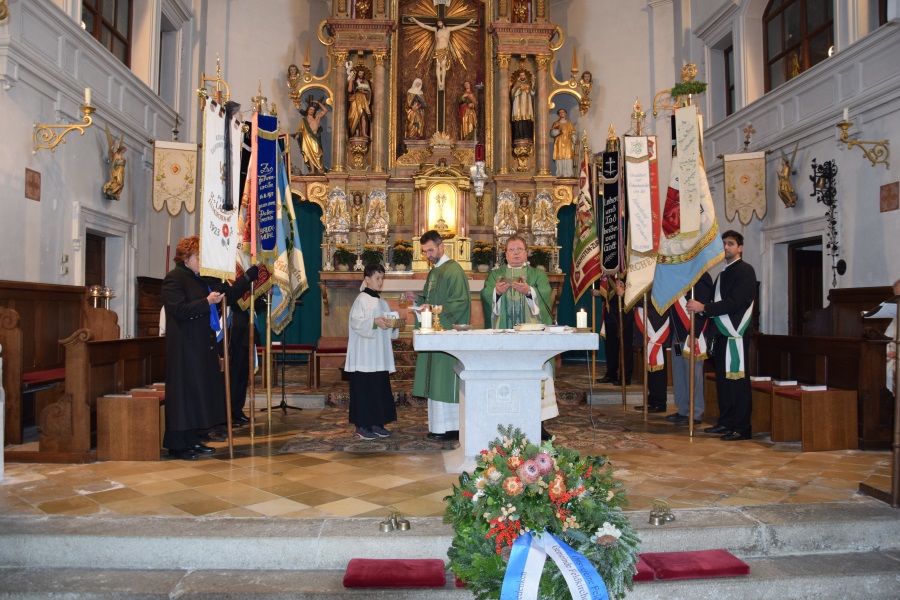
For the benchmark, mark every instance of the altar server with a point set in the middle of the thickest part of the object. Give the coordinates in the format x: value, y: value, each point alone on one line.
x: 370, y: 359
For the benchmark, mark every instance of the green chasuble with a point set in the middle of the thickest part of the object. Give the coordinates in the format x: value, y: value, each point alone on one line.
x: 445, y: 286
x: 514, y: 308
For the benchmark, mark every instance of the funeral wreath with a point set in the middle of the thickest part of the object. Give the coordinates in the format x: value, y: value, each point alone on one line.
x: 521, y: 489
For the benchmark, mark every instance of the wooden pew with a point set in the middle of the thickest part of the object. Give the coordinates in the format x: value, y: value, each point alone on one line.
x: 33, y: 318
x: 93, y: 369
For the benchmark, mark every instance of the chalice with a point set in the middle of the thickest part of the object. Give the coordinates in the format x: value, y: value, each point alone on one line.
x: 436, y: 312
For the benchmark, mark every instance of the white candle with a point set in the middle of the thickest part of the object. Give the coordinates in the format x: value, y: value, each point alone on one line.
x: 87, y: 96
x: 581, y: 319
x: 426, y: 319
x: 846, y: 114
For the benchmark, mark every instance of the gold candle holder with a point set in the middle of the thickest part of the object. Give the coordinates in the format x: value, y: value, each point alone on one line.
x: 877, y: 154
x: 50, y: 136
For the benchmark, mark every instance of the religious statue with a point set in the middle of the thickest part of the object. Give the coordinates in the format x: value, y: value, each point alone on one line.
x: 337, y: 220
x: 415, y: 111
x: 524, y: 211
x: 356, y: 211
x: 505, y: 220
x: 377, y: 221
x: 309, y: 136
x: 441, y: 225
x: 441, y: 51
x: 521, y: 93
x: 544, y: 226
x: 293, y: 83
x: 565, y: 142
x: 359, y: 92
x: 785, y: 188
x: 587, y: 81
x: 467, y: 109
x: 112, y: 189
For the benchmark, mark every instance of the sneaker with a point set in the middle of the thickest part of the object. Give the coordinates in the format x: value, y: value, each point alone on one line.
x: 365, y: 433
x: 380, y: 431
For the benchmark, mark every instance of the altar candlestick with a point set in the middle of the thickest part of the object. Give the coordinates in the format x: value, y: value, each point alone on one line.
x: 87, y: 97
x: 581, y: 319
x: 846, y: 114
x: 426, y: 319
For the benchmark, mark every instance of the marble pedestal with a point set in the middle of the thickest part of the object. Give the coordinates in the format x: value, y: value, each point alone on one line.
x: 500, y: 382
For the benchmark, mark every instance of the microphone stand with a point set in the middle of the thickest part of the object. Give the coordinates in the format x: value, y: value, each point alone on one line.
x: 284, y: 406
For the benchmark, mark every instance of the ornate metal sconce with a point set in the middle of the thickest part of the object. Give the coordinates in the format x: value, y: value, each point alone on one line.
x: 4, y: 11
x: 877, y: 154
x: 50, y: 136
x: 823, y: 189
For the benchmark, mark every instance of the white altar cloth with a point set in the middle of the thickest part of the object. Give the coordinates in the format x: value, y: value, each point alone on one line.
x: 500, y: 375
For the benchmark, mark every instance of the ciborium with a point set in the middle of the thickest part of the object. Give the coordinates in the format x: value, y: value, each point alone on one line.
x: 436, y: 313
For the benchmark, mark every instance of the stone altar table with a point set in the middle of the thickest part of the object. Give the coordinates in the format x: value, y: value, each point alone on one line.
x: 500, y: 375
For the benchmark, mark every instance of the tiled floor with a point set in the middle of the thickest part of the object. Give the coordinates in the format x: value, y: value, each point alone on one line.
x: 687, y: 472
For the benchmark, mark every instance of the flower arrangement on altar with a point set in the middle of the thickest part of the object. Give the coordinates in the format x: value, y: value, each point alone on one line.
x: 482, y: 253
x: 343, y: 256
x: 372, y: 255
x: 402, y: 252
x: 523, y: 496
x: 540, y: 258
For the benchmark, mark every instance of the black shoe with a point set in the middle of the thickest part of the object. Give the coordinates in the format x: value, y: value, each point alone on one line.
x: 733, y: 436
x: 185, y: 454
x: 219, y: 433
x: 651, y: 409
x: 448, y: 436
x: 236, y: 424
x: 716, y: 429
x: 676, y: 417
x: 605, y: 379
x: 545, y: 435
x: 201, y: 449
x: 241, y: 418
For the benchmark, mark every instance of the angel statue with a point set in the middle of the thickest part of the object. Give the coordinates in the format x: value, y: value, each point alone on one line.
x: 112, y: 189
x: 785, y: 188
x: 377, y: 221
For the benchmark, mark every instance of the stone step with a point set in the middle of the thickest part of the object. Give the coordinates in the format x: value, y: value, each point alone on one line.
x: 869, y: 575
x: 829, y: 550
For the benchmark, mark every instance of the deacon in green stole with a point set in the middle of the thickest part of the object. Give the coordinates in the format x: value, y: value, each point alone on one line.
x: 436, y: 379
x: 518, y: 293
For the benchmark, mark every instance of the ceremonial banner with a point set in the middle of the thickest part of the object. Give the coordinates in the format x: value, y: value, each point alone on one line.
x: 642, y: 184
x: 218, y: 227
x: 288, y: 273
x: 612, y: 252
x: 681, y: 261
x: 745, y: 186
x: 266, y: 149
x: 687, y: 131
x: 586, y: 267
x: 174, y: 176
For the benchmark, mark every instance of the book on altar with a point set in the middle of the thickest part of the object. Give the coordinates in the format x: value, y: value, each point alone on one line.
x: 814, y: 388
x: 760, y: 378
x: 885, y: 310
x: 785, y: 382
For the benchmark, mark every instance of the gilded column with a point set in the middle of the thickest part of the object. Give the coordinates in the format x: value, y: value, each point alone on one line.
x: 503, y: 129
x: 379, y: 107
x: 541, y: 118
x: 541, y: 11
x: 339, y: 142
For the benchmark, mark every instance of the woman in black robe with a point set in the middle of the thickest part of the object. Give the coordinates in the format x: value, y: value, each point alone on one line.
x: 195, y: 386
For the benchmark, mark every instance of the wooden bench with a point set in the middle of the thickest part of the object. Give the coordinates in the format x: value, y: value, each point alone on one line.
x: 820, y: 420
x: 93, y: 369
x: 761, y: 403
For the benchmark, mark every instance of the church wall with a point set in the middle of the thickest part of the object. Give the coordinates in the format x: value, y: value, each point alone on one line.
x: 47, y: 62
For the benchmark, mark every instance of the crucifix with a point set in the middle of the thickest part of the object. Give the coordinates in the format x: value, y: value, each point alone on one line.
x: 441, y: 26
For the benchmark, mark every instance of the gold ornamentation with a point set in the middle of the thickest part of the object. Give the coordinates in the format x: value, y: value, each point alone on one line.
x: 688, y: 72
x: 540, y: 9
x: 220, y: 84
x: 53, y: 135
x: 322, y: 34
x: 465, y: 156
x: 4, y: 11
x: 503, y: 10
x: 879, y: 152
x: 380, y: 58
x: 317, y: 192
x: 503, y: 60
x: 542, y: 62
x: 663, y: 101
x: 359, y: 149
x: 342, y: 6
x: 562, y: 195
x: 522, y: 153
x: 414, y: 156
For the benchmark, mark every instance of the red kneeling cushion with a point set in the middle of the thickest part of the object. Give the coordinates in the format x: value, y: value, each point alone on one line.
x: 700, y: 564
x: 644, y: 572
x: 395, y: 573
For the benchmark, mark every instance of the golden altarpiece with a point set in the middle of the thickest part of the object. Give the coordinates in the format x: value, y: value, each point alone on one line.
x: 442, y: 117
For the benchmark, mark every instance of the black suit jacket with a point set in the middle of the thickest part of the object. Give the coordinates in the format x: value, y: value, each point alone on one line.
x: 738, y: 287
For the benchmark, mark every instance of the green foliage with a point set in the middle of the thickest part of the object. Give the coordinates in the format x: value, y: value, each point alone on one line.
x: 343, y: 256
x: 573, y: 497
x: 482, y: 253
x: 539, y: 256
x: 372, y: 255
x: 402, y: 252
x: 685, y: 88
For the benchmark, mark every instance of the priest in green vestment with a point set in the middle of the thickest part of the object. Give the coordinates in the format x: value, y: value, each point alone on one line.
x: 436, y: 379
x: 517, y: 293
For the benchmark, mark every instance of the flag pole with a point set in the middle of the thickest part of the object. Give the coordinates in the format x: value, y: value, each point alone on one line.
x: 621, y: 345
x: 646, y: 361
x: 269, y: 359
x: 596, y: 330
x: 692, y: 385
x: 251, y: 340
x: 227, y: 363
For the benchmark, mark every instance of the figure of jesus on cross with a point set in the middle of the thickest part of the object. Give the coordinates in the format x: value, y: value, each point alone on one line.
x: 442, y: 45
